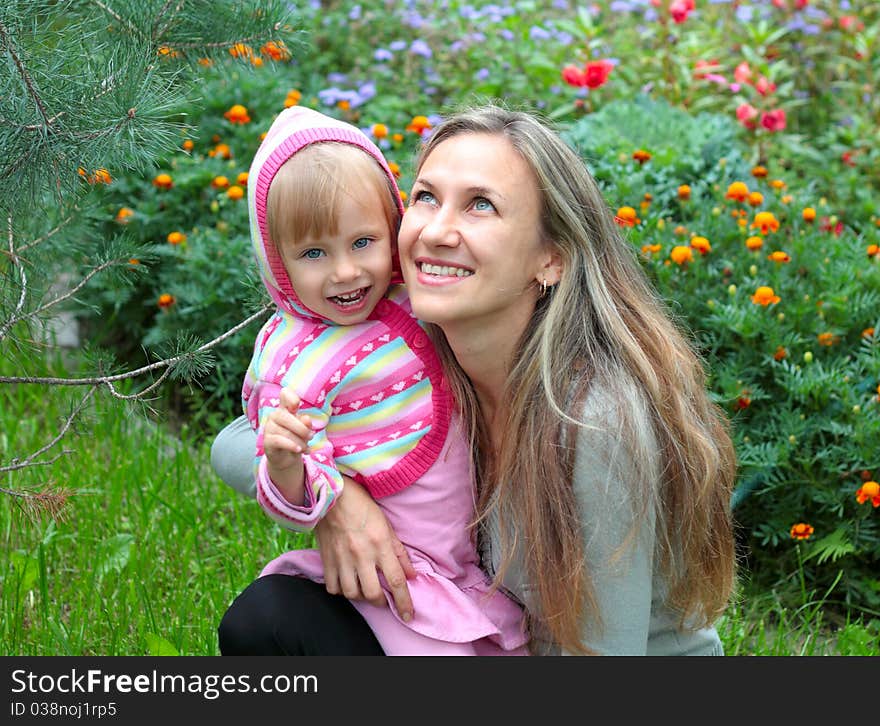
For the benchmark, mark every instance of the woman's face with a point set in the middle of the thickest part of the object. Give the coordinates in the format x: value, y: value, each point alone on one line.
x: 470, y: 241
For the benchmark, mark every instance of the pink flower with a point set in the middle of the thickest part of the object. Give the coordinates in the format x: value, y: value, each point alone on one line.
x: 716, y: 78
x: 746, y: 114
x: 597, y: 72
x: 764, y: 86
x: 742, y: 73
x: 679, y: 10
x: 773, y: 120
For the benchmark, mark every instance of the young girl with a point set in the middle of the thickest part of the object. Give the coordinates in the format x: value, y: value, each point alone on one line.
x: 344, y: 381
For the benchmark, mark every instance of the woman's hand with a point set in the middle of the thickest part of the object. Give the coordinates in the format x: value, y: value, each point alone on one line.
x: 356, y: 542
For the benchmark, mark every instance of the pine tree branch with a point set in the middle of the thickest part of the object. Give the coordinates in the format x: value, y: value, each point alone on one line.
x: 32, y: 91
x: 106, y: 380
x: 16, y: 463
x: 157, y: 34
x: 24, y: 284
x: 118, y: 18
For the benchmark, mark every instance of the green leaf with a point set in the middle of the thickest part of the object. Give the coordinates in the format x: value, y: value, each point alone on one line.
x: 157, y: 645
x: 115, y: 553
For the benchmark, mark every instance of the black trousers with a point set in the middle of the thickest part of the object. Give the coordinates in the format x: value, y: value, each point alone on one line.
x: 286, y: 615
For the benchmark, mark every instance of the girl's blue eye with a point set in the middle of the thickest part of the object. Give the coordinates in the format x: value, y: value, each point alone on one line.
x: 359, y: 244
x: 423, y: 196
x: 481, y: 204
x: 312, y: 254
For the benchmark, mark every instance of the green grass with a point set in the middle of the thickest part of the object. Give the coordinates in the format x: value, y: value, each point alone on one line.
x: 152, y: 547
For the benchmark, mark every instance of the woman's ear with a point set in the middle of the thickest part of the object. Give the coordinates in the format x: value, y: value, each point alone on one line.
x: 551, y: 268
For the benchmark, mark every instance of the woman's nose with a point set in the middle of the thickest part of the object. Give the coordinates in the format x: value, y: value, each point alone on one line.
x: 440, y: 229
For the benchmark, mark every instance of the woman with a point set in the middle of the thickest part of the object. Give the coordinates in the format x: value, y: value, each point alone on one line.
x: 605, y: 471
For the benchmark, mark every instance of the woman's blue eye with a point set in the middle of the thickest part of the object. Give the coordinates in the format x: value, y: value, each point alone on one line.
x: 359, y: 244
x: 482, y: 204
x: 423, y: 196
x: 312, y: 254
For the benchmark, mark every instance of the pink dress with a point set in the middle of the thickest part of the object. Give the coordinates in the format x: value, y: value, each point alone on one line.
x: 455, y: 614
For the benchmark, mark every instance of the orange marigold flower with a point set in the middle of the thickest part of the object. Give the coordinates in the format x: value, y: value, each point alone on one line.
x: 701, y: 244
x: 743, y: 401
x: 187, y: 145
x: 419, y: 124
x: 395, y: 168
x: 827, y: 339
x: 641, y: 156
x: 764, y: 296
x: 220, y: 182
x: 650, y: 249
x: 101, y: 176
x: 869, y: 491
x: 166, y: 51
x: 626, y: 217
x: 681, y: 254
x: 680, y: 230
x: 779, y: 256
x: 403, y: 195
x: 759, y: 172
x: 165, y: 301
x: 756, y: 199
x: 242, y: 179
x: 206, y: 62
x: 275, y: 50
x: 777, y: 184
x: 379, y: 131
x: 343, y: 105
x: 397, y: 138
x: 235, y: 192
x: 809, y: 214
x: 292, y: 99
x: 134, y: 261
x: 754, y: 243
x: 163, y: 181
x: 124, y: 215
x: 176, y: 238
x: 684, y: 192
x: 786, y: 198
x: 780, y: 353
x: 868, y: 333
x: 237, y: 114
x: 737, y: 191
x: 873, y: 250
x: 766, y: 222
x: 256, y: 61
x: 240, y: 50
x: 802, y: 531
x: 221, y: 150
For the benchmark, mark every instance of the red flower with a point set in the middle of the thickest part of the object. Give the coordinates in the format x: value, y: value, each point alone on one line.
x: 679, y: 10
x: 746, y: 114
x: 574, y: 76
x: 597, y: 72
x: 827, y: 225
x: 764, y: 86
x: 773, y: 120
x: 847, y: 158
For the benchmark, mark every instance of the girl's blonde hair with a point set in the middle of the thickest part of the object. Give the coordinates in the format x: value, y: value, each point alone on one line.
x: 304, y: 196
x: 604, y: 322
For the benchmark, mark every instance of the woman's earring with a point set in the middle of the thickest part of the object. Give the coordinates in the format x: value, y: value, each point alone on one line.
x: 543, y: 287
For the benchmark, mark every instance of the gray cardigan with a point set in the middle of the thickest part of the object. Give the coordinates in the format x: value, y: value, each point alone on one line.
x: 635, y: 620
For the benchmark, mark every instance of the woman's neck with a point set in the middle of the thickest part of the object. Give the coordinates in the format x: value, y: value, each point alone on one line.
x: 485, y: 356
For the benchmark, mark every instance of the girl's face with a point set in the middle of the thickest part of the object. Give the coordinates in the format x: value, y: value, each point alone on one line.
x: 470, y: 242
x: 341, y: 277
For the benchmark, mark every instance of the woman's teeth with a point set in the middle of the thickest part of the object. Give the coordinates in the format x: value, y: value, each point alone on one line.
x: 445, y: 271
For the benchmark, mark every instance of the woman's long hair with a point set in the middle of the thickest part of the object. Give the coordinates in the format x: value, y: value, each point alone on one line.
x: 605, y: 327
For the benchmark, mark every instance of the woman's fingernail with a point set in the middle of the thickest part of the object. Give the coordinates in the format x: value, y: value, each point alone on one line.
x: 407, y: 617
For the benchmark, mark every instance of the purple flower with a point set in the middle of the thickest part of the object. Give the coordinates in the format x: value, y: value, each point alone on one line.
x: 506, y: 34
x: 538, y: 33
x: 420, y: 47
x: 744, y: 13
x: 337, y: 77
x: 560, y: 4
x: 482, y: 74
x: 355, y: 13
x: 397, y: 45
x: 382, y: 55
x: 621, y: 6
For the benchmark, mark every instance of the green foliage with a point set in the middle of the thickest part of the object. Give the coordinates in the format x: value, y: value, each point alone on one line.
x: 798, y: 377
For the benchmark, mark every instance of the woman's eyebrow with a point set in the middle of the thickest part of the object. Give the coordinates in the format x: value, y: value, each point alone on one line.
x: 475, y: 191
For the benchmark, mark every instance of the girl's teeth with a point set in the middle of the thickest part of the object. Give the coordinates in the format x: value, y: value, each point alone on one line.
x: 445, y: 271
x: 349, y: 298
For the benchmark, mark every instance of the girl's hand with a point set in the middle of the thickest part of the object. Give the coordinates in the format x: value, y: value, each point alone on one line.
x: 357, y: 543
x: 286, y: 433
